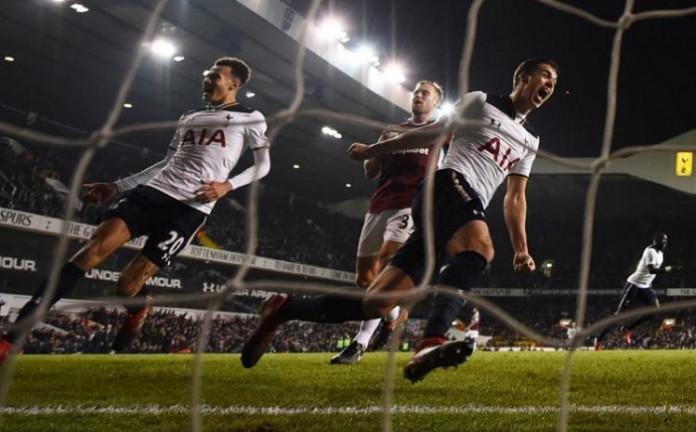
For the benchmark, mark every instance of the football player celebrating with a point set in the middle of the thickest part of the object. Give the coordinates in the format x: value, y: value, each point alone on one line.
x: 500, y: 146
x: 168, y: 201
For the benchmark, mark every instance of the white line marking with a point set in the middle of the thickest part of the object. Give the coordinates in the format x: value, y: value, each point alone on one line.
x: 36, y: 410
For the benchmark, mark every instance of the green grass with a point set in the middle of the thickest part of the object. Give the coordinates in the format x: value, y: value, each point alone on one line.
x: 628, y: 382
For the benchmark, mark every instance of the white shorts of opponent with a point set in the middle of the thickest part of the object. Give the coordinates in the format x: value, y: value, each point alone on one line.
x: 389, y: 225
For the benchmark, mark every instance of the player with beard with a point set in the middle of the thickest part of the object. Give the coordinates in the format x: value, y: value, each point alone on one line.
x: 388, y: 221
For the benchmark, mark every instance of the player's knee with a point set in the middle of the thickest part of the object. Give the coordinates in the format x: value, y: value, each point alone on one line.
x: 490, y: 254
x: 363, y: 280
x: 385, y: 257
x: 463, y: 269
x: 487, y: 252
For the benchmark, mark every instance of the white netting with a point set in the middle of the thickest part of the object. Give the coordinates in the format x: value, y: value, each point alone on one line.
x: 278, y: 120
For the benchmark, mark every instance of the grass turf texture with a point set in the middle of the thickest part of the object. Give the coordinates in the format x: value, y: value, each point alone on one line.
x: 610, y: 391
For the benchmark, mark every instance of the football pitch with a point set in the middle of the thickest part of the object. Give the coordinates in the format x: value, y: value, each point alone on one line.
x: 493, y: 391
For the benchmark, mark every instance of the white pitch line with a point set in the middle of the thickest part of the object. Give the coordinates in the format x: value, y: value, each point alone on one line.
x: 37, y: 410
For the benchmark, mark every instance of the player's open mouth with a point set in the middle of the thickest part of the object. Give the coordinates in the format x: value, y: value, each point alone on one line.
x: 542, y: 95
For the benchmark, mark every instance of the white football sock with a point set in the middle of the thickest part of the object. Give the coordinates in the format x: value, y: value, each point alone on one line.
x: 367, y: 329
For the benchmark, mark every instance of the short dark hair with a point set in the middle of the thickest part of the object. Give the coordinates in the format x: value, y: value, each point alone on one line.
x: 239, y: 68
x: 657, y: 235
x: 529, y: 66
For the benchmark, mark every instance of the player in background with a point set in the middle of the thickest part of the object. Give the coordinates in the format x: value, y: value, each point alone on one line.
x: 638, y: 286
x: 479, y: 159
x: 388, y: 220
x: 170, y: 200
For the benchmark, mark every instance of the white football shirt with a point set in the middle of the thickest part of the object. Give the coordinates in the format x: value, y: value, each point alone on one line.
x: 486, y: 156
x: 206, y: 147
x: 642, y: 277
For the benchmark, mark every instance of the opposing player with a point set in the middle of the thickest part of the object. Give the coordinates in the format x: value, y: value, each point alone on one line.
x: 170, y: 200
x: 638, y: 286
x: 388, y: 220
x: 479, y: 159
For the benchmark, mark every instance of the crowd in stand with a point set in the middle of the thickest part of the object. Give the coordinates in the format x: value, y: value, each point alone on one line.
x: 166, y: 331
x: 23, y: 184
x: 169, y: 331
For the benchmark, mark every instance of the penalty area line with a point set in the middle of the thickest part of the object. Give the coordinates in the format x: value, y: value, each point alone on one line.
x: 36, y: 410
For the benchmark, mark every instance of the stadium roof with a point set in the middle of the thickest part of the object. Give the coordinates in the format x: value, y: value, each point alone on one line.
x: 68, y: 67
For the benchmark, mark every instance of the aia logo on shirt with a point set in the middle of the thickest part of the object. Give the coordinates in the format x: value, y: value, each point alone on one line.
x: 500, y: 154
x: 217, y: 137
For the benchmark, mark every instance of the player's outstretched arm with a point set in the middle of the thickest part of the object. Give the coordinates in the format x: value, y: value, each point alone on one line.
x: 515, y: 209
x: 128, y: 183
x: 97, y: 193
x: 426, y: 136
x: 664, y: 269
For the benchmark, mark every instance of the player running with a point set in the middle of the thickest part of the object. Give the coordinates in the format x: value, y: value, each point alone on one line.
x: 479, y: 159
x: 638, y: 286
x: 170, y: 200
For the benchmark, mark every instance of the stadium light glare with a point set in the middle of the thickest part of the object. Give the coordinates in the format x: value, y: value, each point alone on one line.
x: 395, y: 72
x: 367, y: 55
x: 178, y: 58
x: 163, y: 48
x: 348, y: 185
x: 127, y: 105
x: 79, y: 8
x: 333, y: 28
x: 296, y: 166
x: 58, y: 1
x: 250, y: 94
x: 9, y: 59
x: 446, y: 108
x: 329, y: 131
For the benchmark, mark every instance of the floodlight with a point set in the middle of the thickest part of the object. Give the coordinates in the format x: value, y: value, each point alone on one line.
x: 163, y: 48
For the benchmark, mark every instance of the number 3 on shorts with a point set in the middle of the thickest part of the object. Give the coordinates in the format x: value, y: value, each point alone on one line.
x: 404, y: 221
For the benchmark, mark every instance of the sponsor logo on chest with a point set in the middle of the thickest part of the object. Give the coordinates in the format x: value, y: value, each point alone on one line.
x: 393, y: 134
x: 506, y: 152
x: 204, y: 136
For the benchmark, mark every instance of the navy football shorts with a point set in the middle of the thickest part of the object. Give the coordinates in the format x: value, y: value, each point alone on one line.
x: 169, y: 224
x: 455, y: 204
x: 632, y: 293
